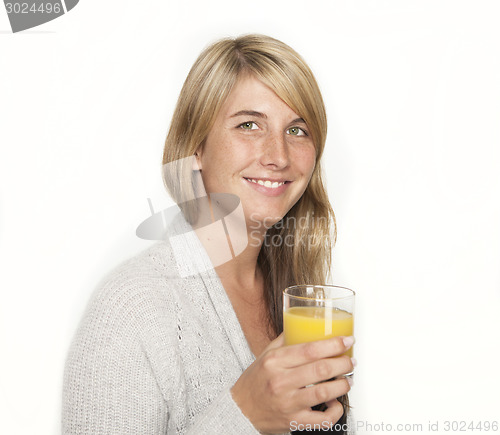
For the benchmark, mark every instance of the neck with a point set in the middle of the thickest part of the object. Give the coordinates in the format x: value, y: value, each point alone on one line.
x: 242, y: 270
x: 241, y: 273
x: 238, y: 270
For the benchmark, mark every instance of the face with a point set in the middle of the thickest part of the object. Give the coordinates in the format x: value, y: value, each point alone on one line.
x: 260, y: 150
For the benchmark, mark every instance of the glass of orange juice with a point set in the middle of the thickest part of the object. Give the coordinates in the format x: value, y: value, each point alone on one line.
x: 317, y: 312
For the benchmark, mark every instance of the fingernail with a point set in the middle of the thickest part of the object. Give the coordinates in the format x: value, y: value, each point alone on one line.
x: 348, y: 341
x: 354, y: 362
x: 350, y: 380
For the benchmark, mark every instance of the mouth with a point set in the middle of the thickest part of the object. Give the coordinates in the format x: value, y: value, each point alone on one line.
x: 266, y: 182
x: 268, y: 186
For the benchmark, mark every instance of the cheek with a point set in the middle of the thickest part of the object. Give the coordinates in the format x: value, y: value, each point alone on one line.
x: 222, y: 162
x: 306, y: 160
x: 234, y: 156
x: 224, y: 148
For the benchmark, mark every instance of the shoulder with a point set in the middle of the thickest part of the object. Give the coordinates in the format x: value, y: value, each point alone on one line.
x: 109, y: 362
x: 135, y: 289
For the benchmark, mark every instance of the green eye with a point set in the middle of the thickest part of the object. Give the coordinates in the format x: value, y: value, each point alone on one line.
x: 296, y: 131
x: 248, y: 125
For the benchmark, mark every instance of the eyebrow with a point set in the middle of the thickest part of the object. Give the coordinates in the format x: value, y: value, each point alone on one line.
x: 260, y: 115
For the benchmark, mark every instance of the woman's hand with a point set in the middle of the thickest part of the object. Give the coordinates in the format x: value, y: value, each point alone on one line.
x: 271, y: 391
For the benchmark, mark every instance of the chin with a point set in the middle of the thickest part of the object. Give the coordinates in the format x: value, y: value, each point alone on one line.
x: 257, y: 220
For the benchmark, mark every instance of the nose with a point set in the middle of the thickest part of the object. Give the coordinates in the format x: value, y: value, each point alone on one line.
x: 275, y: 152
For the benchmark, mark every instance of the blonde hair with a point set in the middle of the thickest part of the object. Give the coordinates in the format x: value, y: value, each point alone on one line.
x: 207, y: 86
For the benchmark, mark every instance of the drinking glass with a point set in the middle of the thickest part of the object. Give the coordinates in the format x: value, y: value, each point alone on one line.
x: 317, y: 312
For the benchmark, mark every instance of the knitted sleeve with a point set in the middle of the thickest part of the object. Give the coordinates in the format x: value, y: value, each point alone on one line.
x: 222, y: 416
x: 111, y: 379
x: 109, y: 387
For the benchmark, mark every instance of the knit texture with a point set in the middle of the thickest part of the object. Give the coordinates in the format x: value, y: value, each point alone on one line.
x: 157, y: 353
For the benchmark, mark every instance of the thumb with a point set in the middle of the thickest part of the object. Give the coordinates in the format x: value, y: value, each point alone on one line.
x: 279, y: 341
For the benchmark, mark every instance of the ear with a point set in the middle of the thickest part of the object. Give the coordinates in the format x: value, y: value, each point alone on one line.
x: 197, y: 158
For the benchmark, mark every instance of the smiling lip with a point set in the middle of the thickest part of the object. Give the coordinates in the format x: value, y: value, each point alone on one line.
x: 268, y: 186
x: 267, y: 182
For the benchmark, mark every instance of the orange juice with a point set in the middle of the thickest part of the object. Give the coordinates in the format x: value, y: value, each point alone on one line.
x: 304, y: 324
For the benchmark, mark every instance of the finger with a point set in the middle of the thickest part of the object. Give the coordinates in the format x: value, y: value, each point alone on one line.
x: 320, y: 370
x: 331, y: 403
x: 334, y: 411
x: 299, y: 354
x: 325, y: 392
x: 331, y: 415
x: 279, y: 341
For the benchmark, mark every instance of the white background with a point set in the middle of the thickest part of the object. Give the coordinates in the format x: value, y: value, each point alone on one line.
x: 412, y: 90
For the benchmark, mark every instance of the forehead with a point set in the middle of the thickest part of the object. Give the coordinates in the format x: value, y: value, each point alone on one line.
x: 249, y: 93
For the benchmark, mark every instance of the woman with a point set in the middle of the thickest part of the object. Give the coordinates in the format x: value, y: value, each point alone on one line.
x: 160, y: 351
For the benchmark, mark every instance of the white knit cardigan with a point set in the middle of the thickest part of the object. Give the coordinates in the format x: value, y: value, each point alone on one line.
x: 157, y: 353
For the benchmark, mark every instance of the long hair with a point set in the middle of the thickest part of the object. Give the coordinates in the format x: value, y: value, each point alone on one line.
x: 306, y: 234
x: 308, y: 231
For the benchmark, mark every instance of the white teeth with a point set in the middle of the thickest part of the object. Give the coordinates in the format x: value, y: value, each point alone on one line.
x: 267, y: 183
